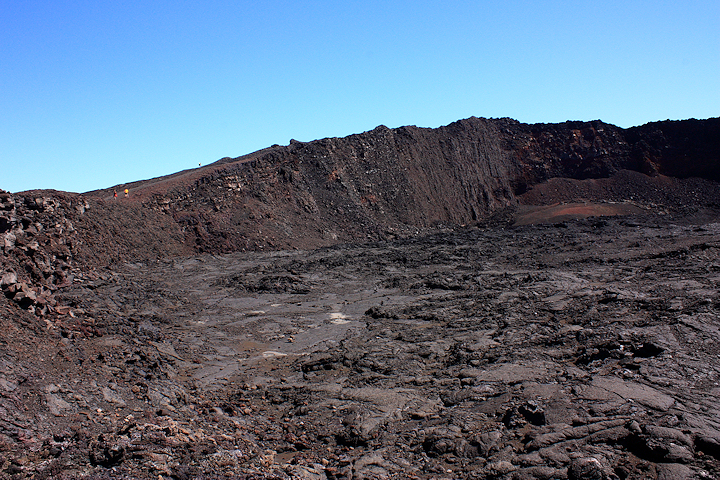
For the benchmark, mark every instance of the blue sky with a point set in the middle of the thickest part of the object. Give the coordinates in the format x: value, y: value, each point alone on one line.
x: 94, y: 94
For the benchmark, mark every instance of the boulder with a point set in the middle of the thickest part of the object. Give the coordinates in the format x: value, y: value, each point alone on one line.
x: 10, y: 278
x: 588, y: 468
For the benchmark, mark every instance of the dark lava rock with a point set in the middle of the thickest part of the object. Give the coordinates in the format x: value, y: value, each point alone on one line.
x: 588, y: 468
x: 106, y: 454
x: 403, y: 303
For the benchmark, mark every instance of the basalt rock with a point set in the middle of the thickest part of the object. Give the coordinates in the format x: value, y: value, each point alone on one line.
x: 51, y: 239
x: 388, y: 183
x: 37, y: 245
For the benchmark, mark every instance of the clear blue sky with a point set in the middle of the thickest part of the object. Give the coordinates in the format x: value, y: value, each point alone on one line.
x: 94, y: 94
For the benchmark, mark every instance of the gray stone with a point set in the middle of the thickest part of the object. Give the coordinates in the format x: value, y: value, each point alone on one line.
x: 306, y: 472
x: 586, y: 468
x: 629, y: 390
x: 8, y: 279
x: 501, y: 467
x: 57, y: 405
x: 674, y: 471
x: 540, y: 473
x: 672, y: 434
x: 111, y: 396
x: 7, y: 385
x: 487, y: 442
x: 9, y: 240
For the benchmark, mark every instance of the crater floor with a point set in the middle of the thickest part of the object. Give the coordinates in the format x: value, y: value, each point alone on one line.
x: 582, y: 349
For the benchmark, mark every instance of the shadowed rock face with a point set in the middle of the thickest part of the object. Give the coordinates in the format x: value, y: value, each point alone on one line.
x: 689, y: 148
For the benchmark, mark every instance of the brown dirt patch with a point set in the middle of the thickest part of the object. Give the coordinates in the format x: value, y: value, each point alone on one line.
x: 531, y: 215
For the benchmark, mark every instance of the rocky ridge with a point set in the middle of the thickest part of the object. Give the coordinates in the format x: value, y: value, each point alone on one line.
x: 391, y: 183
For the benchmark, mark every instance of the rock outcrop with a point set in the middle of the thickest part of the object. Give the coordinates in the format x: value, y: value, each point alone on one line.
x: 51, y: 239
x: 394, y: 182
x: 37, y: 244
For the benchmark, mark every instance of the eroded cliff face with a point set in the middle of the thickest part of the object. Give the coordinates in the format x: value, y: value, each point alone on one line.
x: 686, y: 148
x: 389, y: 182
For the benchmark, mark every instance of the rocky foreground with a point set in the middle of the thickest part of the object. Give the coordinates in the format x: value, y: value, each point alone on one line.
x: 581, y: 349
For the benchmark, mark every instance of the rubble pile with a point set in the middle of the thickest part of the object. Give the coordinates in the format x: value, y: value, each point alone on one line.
x: 38, y: 237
